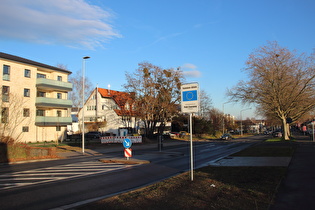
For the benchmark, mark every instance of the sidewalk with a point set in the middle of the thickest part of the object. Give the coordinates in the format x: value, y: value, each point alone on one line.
x: 297, y: 190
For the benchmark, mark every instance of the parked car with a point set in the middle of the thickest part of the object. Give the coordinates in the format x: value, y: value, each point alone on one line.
x: 174, y: 134
x: 93, y: 135
x: 226, y: 136
x: 182, y: 134
x: 277, y: 134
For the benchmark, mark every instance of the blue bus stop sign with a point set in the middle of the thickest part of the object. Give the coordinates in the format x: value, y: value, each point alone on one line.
x: 127, y: 143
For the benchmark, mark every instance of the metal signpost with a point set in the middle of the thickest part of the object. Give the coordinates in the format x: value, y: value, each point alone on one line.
x: 190, y: 104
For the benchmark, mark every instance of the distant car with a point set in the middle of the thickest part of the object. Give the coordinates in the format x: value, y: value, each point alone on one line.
x: 277, y: 134
x: 182, y: 134
x: 267, y: 132
x: 226, y: 136
x: 174, y: 134
x: 93, y: 135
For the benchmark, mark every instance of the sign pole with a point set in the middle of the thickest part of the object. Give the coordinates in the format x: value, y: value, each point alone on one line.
x: 191, y: 151
x: 190, y: 104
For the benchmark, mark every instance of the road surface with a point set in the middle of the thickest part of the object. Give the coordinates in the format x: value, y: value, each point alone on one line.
x: 64, y: 184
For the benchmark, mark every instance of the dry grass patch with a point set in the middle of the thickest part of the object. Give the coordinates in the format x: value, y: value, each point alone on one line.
x: 212, y: 188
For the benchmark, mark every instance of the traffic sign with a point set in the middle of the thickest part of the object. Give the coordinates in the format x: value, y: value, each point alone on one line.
x: 190, y: 95
x: 127, y: 143
x: 128, y: 153
x: 190, y: 98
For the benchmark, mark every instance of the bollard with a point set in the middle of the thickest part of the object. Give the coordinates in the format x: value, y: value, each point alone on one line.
x: 160, y: 143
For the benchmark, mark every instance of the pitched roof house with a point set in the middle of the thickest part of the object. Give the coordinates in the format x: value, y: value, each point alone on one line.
x: 109, y: 111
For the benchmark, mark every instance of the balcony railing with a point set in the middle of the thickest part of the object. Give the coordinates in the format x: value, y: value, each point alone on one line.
x: 53, y: 102
x: 6, y: 77
x: 52, y: 121
x: 49, y: 84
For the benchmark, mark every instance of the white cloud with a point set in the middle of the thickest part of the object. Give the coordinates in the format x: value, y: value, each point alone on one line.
x: 74, y: 23
x: 193, y: 73
x: 190, y: 70
x: 189, y: 66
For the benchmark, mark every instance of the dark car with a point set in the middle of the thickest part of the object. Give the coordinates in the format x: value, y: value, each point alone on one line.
x: 93, y: 135
x: 226, y: 136
x: 277, y: 134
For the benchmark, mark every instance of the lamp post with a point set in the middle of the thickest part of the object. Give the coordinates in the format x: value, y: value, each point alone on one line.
x: 242, y: 120
x: 83, y: 98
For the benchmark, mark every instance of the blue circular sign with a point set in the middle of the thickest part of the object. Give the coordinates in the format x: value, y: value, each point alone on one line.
x: 127, y: 143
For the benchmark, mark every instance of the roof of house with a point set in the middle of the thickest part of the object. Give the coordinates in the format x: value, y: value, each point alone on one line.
x: 120, y: 98
x: 30, y: 62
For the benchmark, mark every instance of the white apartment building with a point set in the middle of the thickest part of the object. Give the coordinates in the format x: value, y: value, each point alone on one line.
x: 34, y: 100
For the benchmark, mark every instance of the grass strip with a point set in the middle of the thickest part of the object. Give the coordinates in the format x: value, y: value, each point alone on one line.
x: 212, y: 188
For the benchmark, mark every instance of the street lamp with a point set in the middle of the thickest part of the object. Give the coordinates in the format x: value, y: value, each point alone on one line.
x: 83, y: 98
x: 242, y: 120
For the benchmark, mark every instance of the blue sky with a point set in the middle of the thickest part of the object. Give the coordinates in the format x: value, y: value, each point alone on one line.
x: 209, y: 39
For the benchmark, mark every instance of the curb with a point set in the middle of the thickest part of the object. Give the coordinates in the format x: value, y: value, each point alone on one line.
x: 124, y: 161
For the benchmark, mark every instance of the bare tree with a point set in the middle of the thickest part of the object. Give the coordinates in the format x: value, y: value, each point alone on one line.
x: 205, y: 104
x: 125, y: 102
x: 76, y: 94
x: 157, y: 94
x: 216, y: 119
x: 12, y: 117
x: 281, y: 82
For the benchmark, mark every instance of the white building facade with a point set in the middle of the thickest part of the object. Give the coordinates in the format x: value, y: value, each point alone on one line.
x: 110, y: 112
x: 34, y: 100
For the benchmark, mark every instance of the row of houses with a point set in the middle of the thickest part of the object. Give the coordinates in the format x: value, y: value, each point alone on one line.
x: 35, y: 105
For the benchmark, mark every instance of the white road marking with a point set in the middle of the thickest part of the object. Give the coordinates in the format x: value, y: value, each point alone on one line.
x: 49, y: 174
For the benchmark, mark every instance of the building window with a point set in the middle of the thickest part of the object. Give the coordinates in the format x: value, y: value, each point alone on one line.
x: 41, y: 75
x: 27, y: 92
x: 59, y: 95
x: 41, y: 94
x: 25, y: 129
x: 4, y: 114
x: 58, y: 113
x: 40, y: 112
x: 26, y: 112
x: 58, y: 128
x: 5, y: 93
x: 59, y: 78
x: 27, y: 73
x: 6, y: 72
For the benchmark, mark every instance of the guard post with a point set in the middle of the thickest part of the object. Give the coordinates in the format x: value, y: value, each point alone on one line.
x: 160, y: 142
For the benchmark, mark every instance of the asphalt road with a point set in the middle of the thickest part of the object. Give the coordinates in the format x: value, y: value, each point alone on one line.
x: 64, y: 184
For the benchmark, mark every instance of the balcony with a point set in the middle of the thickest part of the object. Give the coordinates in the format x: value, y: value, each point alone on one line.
x: 53, y: 102
x: 6, y: 77
x: 52, y: 121
x: 48, y: 84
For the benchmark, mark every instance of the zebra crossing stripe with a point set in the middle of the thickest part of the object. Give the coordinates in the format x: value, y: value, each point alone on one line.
x: 49, y: 174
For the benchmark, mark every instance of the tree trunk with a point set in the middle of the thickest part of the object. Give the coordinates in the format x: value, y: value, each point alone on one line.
x: 286, y: 130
